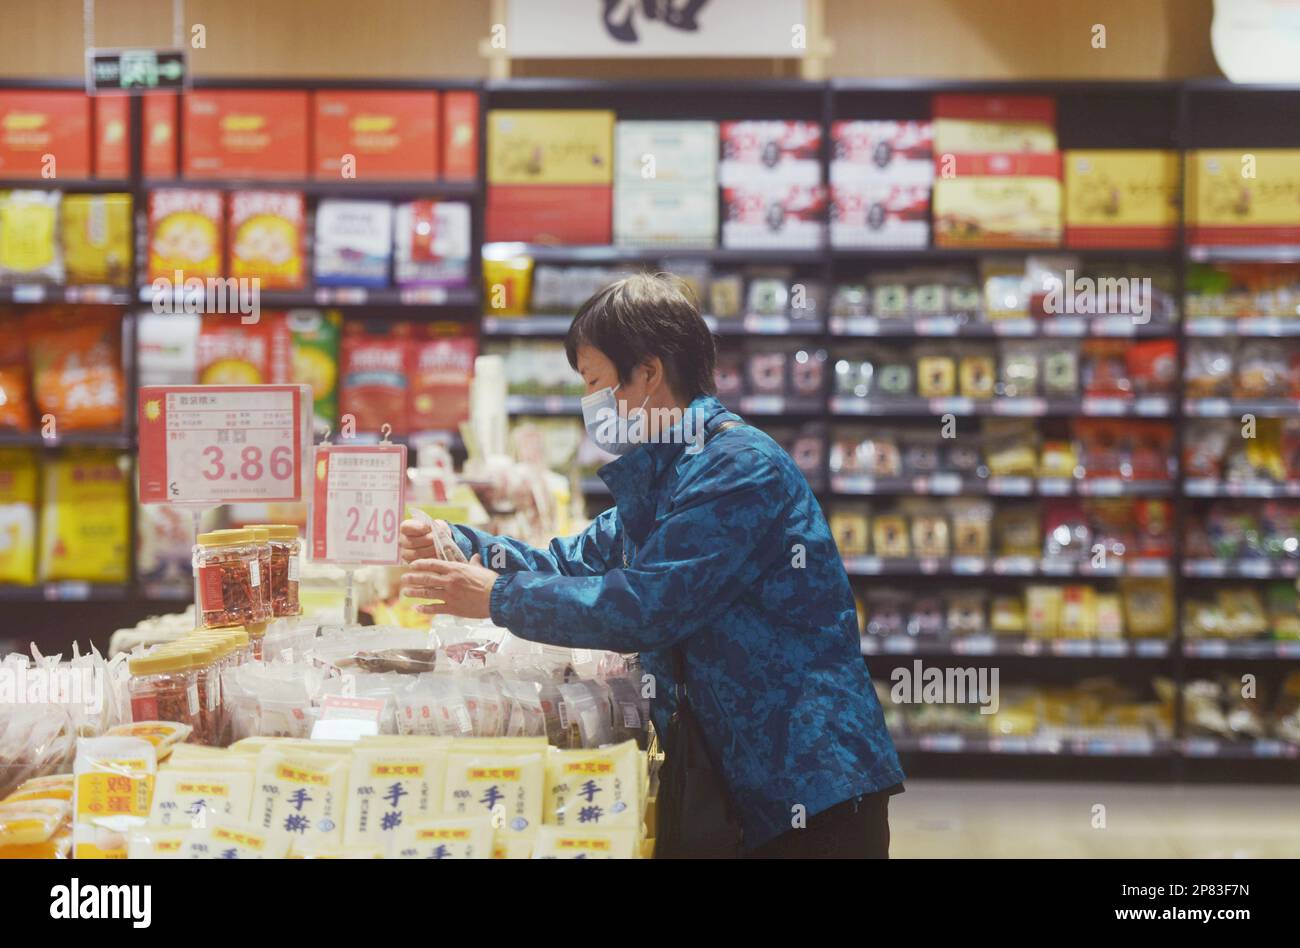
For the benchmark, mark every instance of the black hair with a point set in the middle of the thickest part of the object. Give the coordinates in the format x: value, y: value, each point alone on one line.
x: 644, y: 315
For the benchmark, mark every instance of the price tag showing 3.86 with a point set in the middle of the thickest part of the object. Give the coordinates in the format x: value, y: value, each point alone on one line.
x: 220, y: 444
x: 358, y: 497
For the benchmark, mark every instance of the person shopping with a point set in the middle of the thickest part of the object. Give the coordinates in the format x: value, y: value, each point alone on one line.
x: 717, y: 565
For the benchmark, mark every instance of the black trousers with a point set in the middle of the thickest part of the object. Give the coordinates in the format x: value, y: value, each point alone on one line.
x: 855, y: 829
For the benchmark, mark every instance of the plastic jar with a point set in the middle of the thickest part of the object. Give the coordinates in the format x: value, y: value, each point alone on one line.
x: 208, y: 652
x: 286, y: 550
x: 228, y: 578
x: 164, y: 687
x: 262, y: 537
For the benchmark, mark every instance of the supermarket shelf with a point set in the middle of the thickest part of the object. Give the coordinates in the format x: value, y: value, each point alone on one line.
x: 1228, y: 648
x: 543, y: 405
x: 1072, y: 327
x: 1004, y: 646
x: 756, y: 325
x: 454, y: 297
x: 526, y: 325
x: 65, y: 592
x: 72, y: 185
x: 1228, y: 407
x: 1237, y: 750
x: 42, y: 293
x: 781, y: 405
x: 1203, y: 487
x: 89, y: 439
x: 333, y: 188
x: 954, y: 484
x: 1033, y: 746
x: 1241, y: 569
x: 1245, y: 326
x: 889, y: 254
x: 1015, y: 566
x: 1149, y: 406
x: 545, y: 253
x: 1247, y: 253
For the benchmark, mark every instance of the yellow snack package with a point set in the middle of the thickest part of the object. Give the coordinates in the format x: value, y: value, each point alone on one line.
x: 236, y: 841
x: 97, y: 238
x: 163, y: 735
x: 192, y: 798
x: 565, y: 842
x: 597, y: 789
x: 56, y: 787
x: 514, y: 845
x: 58, y: 846
x: 85, y: 520
x: 447, y: 838
x: 390, y: 787
x: 505, y: 785
x: 29, y: 822
x: 318, y: 851
x: 29, y: 246
x: 114, y: 788
x: 18, y: 516
x: 159, y: 842
x: 301, y: 795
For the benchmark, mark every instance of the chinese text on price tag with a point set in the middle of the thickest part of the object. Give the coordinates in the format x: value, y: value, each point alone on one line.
x: 357, y: 503
x: 221, y: 443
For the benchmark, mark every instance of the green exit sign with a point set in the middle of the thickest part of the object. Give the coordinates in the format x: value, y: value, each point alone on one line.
x: 111, y: 71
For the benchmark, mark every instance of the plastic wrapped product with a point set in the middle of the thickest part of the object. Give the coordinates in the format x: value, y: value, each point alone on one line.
x: 631, y: 711
x: 586, y: 713
x: 563, y: 842
x: 228, y: 578
x: 486, y: 706
x: 160, y: 842
x: 597, y: 789
x: 237, y: 841
x: 18, y: 474
x: 446, y: 838
x: 76, y: 366
x: 432, y: 243
x: 525, y: 716
x: 29, y: 241
x: 434, y: 705
x: 192, y: 798
x: 31, y: 822
x: 506, y: 786
x: 164, y: 687
x: 391, y: 787
x: 56, y: 787
x: 300, y: 795
x: 115, y: 777
x: 354, y: 242
x: 163, y: 735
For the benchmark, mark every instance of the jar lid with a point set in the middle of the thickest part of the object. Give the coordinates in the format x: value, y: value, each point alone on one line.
x: 224, y: 643
x: 260, y: 534
x: 227, y: 537
x: 205, y: 651
x: 160, y: 660
x: 277, y: 531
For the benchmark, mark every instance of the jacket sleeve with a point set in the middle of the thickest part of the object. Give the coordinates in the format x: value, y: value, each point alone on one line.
x: 723, y: 531
x: 591, y: 552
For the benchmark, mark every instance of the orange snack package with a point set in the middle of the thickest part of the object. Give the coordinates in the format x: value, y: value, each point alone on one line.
x: 184, y: 233
x: 76, y: 360
x: 265, y: 232
x: 15, y: 405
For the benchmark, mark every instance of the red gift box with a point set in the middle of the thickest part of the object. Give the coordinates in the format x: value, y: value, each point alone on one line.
x: 460, y: 136
x: 158, y: 139
x: 112, y: 142
x: 550, y: 213
x: 392, y: 135
x: 36, y: 124
x: 233, y: 134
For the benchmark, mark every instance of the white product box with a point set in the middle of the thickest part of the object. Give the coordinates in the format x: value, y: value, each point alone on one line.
x: 665, y: 153
x: 681, y: 216
x: 880, y: 215
x: 882, y: 152
x: 770, y: 154
x: 789, y: 217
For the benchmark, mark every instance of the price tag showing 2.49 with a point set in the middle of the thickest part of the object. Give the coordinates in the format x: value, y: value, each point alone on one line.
x: 217, y: 444
x: 358, y: 497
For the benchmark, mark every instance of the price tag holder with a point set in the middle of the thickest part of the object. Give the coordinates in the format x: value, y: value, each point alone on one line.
x: 358, y: 497
x: 217, y: 444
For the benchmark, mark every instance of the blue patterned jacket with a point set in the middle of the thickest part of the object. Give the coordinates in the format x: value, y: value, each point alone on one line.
x: 726, y: 553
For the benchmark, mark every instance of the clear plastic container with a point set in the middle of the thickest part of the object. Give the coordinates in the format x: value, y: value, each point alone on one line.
x: 229, y: 585
x: 262, y: 537
x: 210, y: 650
x: 286, y: 553
x: 164, y: 687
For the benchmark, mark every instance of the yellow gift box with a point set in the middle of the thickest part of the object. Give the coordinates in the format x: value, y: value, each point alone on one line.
x: 1243, y: 196
x: 1121, y: 198
x: 550, y: 146
x: 997, y: 212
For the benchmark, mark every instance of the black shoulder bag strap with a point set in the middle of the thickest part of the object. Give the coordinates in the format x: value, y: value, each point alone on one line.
x: 695, y: 817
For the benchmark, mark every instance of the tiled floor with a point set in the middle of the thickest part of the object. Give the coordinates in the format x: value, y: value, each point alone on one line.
x: 960, y: 819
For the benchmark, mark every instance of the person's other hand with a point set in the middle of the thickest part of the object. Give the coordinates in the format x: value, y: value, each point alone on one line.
x: 464, y: 588
x: 424, y: 541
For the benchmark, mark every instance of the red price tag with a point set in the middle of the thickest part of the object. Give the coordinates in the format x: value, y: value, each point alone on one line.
x: 358, y: 497
x: 219, y: 444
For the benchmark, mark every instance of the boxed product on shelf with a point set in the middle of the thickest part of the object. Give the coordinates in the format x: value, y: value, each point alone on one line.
x: 549, y: 213
x: 882, y: 152
x: 1242, y: 197
x: 550, y: 146
x: 1215, y: 449
x: 1242, y: 612
x: 442, y: 367
x: 75, y: 356
x: 775, y: 154
x: 158, y: 138
x: 167, y: 348
x: 265, y: 230
x: 671, y: 215
x: 354, y: 243
x: 85, y: 517
x: 314, y: 341
x: 431, y: 243
x: 994, y: 124
x: 562, y: 289
x: 242, y: 133
x: 867, y: 214
x: 665, y: 183
x: 29, y: 237
x: 97, y: 238
x: 231, y: 353
x: 16, y: 409
x: 1218, y: 708
x: 186, y: 234
x: 374, y: 380
x: 776, y: 216
x: 460, y: 135
x: 1122, y: 198
x: 386, y: 135
x: 1225, y: 367
x: 45, y: 133
x: 507, y: 283
x: 537, y: 367
x: 112, y: 145
x: 997, y: 212
x: 1244, y: 530
x: 19, y: 468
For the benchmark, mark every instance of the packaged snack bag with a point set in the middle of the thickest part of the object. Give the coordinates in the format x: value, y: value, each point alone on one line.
x: 191, y: 798
x: 236, y: 841
x: 596, y: 789
x: 30, y: 822
x: 300, y: 795
x: 85, y: 519
x: 18, y: 469
x: 77, y: 366
x: 163, y: 735
x: 185, y: 233
x: 503, y: 785
x: 159, y: 842
x: 391, y: 788
x: 96, y: 230
x: 29, y: 245
x: 56, y: 787
x: 114, y: 788
x: 442, y: 368
x: 314, y: 342
x: 564, y: 842
x: 431, y: 243
x: 375, y: 377
x: 354, y: 243
x: 231, y: 353
x: 15, y: 404
x: 266, y: 233
x: 447, y: 838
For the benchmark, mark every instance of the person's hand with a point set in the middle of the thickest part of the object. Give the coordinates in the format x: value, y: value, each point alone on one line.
x: 464, y: 588
x: 419, y: 540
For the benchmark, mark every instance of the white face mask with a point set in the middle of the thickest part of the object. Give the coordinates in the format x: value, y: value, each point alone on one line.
x: 600, y: 416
